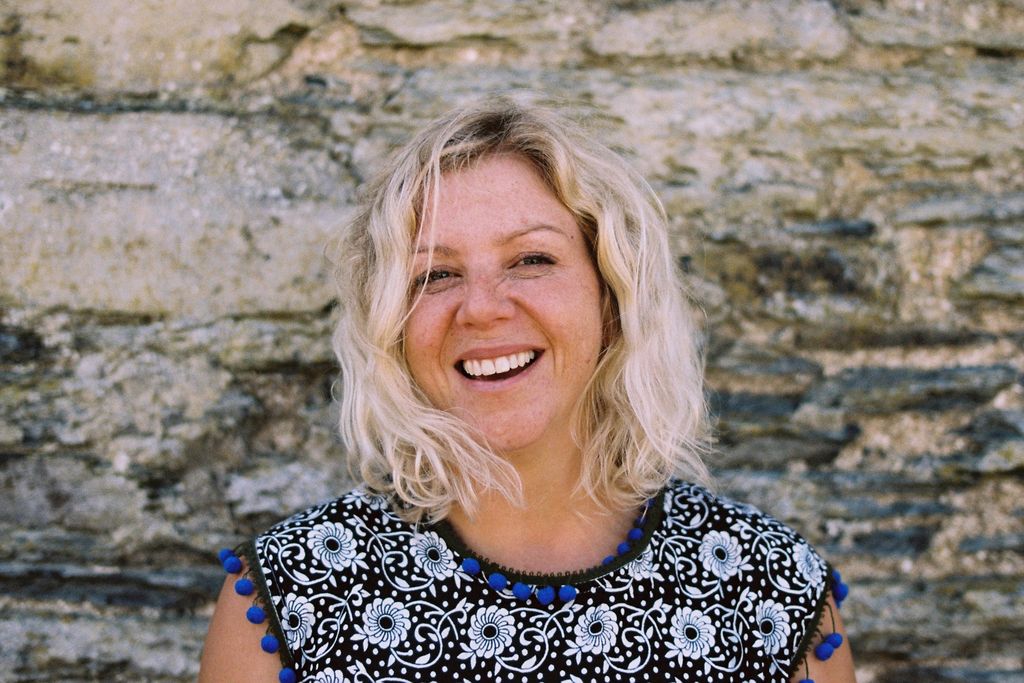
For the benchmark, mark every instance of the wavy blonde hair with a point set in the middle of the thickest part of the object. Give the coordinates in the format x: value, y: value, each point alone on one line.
x: 641, y: 420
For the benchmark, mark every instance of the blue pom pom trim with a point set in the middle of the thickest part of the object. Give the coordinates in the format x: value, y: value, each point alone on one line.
x: 830, y: 641
x: 522, y: 591
x: 497, y: 581
x: 232, y: 565
x: 245, y: 586
x: 546, y: 595
x: 269, y: 644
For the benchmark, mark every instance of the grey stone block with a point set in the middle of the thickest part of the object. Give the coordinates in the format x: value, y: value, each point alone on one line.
x: 878, y: 390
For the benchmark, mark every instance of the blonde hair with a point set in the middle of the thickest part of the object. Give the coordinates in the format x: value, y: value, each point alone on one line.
x: 642, y: 418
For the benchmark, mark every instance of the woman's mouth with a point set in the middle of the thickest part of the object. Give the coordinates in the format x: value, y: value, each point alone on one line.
x: 499, y: 368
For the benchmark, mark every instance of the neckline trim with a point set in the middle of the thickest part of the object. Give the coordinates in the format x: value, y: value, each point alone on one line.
x: 455, y: 543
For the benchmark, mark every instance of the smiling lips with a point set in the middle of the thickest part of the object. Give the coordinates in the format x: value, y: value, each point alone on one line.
x: 501, y: 367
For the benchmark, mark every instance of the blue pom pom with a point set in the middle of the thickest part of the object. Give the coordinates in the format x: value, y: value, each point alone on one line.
x: 567, y: 593
x: 623, y: 548
x: 841, y: 591
x: 806, y: 680
x: 224, y: 554
x: 608, y: 560
x: 471, y: 566
x: 232, y: 565
x: 522, y: 591
x: 635, y: 534
x: 546, y: 595
x: 823, y: 651
x: 834, y: 639
x: 286, y: 676
x: 269, y: 644
x: 244, y: 587
x: 836, y: 576
x: 255, y: 614
x: 497, y: 581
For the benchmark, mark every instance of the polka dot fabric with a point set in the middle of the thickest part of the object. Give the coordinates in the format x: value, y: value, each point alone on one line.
x: 713, y: 591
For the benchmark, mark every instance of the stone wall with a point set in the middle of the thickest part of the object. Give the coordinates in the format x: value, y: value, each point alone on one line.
x: 846, y: 183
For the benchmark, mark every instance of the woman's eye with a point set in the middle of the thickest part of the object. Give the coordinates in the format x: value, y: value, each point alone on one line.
x: 536, y: 260
x: 432, y: 276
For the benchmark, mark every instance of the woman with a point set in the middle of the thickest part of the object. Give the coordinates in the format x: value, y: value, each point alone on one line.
x: 522, y: 399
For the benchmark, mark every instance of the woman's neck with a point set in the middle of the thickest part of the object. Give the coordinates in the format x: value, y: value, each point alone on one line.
x: 556, y: 531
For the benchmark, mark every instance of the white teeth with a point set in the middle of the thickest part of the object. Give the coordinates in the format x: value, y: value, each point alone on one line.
x: 492, y: 366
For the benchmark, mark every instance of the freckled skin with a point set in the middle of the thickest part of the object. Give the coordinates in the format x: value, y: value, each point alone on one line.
x: 539, y: 290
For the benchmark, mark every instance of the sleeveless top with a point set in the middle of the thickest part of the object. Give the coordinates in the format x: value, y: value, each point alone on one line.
x: 713, y: 591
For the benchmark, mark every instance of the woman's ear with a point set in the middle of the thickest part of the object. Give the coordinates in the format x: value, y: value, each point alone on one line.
x: 610, y: 330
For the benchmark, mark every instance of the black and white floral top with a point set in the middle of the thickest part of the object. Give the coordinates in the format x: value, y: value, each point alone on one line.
x: 713, y: 591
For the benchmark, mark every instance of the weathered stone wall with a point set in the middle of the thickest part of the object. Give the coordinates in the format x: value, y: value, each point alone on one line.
x: 846, y: 180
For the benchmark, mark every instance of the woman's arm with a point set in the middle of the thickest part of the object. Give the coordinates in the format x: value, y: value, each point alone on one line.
x: 836, y: 669
x: 232, y: 652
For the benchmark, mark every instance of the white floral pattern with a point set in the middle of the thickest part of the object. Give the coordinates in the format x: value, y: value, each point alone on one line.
x: 385, y: 622
x: 332, y: 544
x: 491, y: 631
x: 596, y: 630
x: 373, y: 501
x: 772, y: 626
x: 720, y: 554
x: 297, y: 619
x: 330, y: 676
x: 692, y: 632
x: 643, y: 566
x: 431, y: 553
x: 715, y: 591
x: 809, y: 565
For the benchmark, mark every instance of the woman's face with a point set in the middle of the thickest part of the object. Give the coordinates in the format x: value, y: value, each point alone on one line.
x: 508, y: 329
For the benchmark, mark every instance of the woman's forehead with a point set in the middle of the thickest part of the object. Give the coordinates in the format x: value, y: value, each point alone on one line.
x: 502, y: 196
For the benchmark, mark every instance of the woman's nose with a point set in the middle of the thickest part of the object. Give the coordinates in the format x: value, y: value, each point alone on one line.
x: 485, y: 301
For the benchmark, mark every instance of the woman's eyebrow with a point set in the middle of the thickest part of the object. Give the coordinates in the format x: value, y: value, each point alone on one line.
x: 437, y: 249
x: 515, y: 234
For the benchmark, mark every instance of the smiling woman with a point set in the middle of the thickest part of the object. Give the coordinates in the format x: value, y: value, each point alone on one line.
x: 518, y: 283
x: 522, y: 403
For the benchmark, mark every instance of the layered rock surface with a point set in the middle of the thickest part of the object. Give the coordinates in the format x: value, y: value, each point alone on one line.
x: 846, y: 187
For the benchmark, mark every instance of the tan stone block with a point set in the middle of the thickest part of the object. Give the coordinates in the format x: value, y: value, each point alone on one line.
x: 438, y: 22
x: 987, y: 24
x: 183, y: 214
x: 124, y: 45
x: 721, y: 30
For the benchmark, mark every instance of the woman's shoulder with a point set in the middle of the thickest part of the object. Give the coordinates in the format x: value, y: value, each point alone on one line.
x: 732, y: 537
x: 708, y: 508
x: 326, y: 546
x: 745, y: 561
x: 331, y: 535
